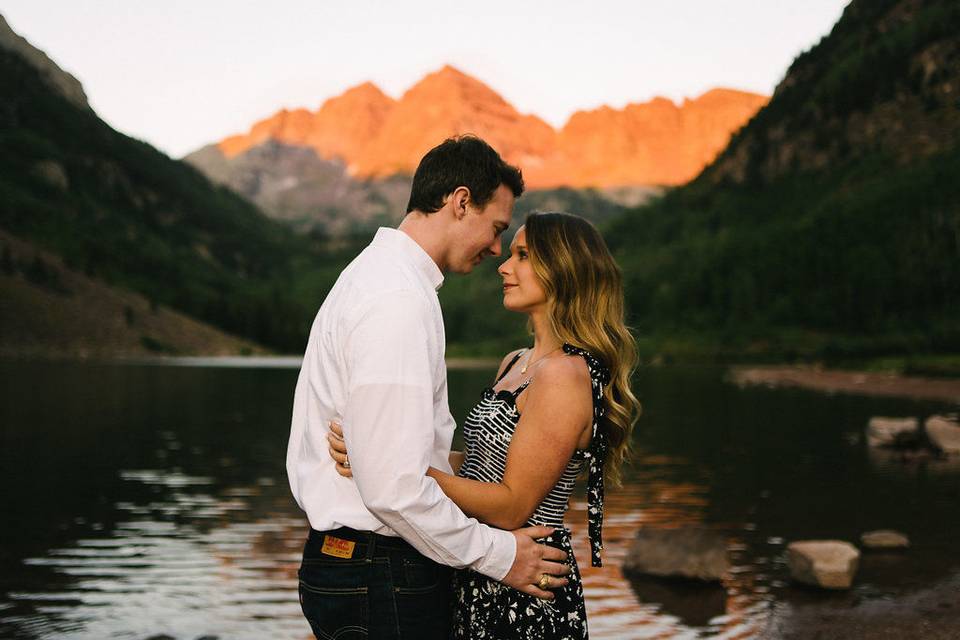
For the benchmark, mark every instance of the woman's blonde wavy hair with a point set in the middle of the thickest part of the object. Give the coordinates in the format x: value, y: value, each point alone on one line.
x: 584, y: 288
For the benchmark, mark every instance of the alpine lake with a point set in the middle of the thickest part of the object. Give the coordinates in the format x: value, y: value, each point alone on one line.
x: 150, y: 500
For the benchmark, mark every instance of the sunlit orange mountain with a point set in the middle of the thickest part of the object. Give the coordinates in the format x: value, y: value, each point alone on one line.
x: 657, y: 142
x: 340, y: 127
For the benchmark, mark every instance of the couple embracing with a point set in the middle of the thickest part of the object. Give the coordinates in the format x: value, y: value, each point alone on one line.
x: 407, y: 538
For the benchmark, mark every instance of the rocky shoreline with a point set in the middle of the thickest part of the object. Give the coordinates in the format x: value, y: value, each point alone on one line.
x: 931, y: 613
x: 856, y: 382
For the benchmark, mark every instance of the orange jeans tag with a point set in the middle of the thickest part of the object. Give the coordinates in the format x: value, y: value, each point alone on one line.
x: 337, y: 547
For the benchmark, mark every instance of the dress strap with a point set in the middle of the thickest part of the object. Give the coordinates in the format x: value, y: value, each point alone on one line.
x: 516, y: 392
x: 596, y: 454
x: 510, y: 366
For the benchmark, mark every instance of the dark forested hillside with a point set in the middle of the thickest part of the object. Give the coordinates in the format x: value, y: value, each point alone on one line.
x: 118, y: 210
x: 831, y: 224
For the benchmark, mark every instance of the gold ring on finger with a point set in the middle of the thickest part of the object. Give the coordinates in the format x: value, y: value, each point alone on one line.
x: 544, y: 581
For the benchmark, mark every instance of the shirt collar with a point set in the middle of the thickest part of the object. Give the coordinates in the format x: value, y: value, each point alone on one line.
x: 419, y: 258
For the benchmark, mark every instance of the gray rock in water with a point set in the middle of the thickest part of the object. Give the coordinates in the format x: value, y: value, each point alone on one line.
x: 944, y: 432
x: 829, y: 564
x: 686, y: 553
x: 892, y: 432
x: 884, y: 539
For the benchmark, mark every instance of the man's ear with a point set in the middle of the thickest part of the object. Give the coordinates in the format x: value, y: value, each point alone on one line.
x: 460, y: 198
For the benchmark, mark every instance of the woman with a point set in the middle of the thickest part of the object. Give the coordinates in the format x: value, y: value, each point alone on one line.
x: 555, y: 409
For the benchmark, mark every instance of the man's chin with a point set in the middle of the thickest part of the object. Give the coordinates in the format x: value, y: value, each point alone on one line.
x: 466, y: 267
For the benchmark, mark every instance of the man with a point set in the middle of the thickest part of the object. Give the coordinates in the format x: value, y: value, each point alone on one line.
x: 375, y: 562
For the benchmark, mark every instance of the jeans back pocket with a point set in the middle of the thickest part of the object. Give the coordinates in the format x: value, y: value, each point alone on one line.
x: 333, y: 596
x: 420, y: 576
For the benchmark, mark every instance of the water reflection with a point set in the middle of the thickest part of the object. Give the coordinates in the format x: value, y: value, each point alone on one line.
x: 182, y: 564
x: 655, y: 496
x: 160, y: 505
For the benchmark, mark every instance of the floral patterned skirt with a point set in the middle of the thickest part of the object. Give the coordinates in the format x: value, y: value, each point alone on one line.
x: 483, y: 608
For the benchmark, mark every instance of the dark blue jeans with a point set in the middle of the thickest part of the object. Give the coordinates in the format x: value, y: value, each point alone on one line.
x: 385, y: 589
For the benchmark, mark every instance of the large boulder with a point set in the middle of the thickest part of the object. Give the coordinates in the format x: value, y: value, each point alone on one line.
x: 699, y: 554
x: 892, y: 432
x: 884, y: 539
x: 829, y: 564
x: 944, y: 432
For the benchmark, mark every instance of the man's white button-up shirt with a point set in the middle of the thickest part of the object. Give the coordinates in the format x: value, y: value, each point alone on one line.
x: 375, y: 363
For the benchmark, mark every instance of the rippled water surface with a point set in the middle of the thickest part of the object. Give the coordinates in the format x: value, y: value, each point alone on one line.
x: 143, y: 500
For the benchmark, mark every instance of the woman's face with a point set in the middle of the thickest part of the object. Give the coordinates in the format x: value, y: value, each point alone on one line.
x: 522, y: 291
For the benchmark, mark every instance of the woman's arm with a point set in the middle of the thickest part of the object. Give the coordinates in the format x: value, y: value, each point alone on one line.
x: 559, y: 406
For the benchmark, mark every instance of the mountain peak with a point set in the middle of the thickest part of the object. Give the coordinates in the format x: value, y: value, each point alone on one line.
x: 346, y: 123
x: 884, y: 79
x: 362, y: 96
x: 341, y: 124
x: 451, y: 84
x: 61, y: 81
x: 450, y: 71
x: 449, y: 102
x: 724, y: 93
x: 655, y: 142
x: 365, y: 91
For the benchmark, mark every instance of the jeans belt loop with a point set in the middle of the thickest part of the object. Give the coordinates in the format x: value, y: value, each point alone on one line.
x: 371, y: 545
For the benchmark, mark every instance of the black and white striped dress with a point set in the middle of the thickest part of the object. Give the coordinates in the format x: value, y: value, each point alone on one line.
x: 487, y: 609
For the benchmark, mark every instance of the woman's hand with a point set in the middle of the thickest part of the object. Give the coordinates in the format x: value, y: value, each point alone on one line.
x: 338, y: 450
x: 456, y: 459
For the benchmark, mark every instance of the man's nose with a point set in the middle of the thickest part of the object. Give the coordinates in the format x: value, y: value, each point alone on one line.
x: 494, y: 247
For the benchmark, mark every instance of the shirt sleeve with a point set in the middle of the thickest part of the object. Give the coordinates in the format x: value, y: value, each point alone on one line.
x: 389, y: 428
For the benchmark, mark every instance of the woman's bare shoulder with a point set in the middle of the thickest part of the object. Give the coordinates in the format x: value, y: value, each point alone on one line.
x: 567, y: 372
x: 561, y: 386
x: 564, y: 380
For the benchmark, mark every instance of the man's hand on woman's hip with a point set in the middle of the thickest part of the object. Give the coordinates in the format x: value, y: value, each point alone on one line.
x: 537, y: 568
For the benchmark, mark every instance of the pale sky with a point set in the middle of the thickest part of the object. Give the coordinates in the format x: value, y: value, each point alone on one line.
x: 183, y: 73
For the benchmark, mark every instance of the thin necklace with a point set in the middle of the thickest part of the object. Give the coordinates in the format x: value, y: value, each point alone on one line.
x: 524, y: 368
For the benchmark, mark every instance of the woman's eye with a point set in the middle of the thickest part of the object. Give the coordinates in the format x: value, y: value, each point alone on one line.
x: 522, y: 255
